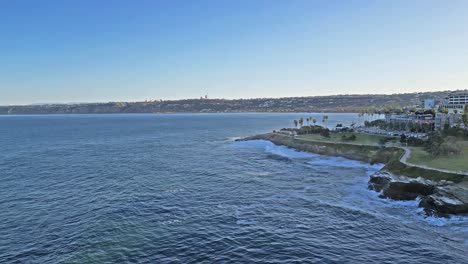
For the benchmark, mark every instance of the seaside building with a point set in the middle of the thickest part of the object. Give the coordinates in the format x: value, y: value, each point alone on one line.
x: 452, y: 120
x: 454, y: 104
x: 440, y: 120
x: 456, y: 101
x: 397, y: 118
x: 411, y: 120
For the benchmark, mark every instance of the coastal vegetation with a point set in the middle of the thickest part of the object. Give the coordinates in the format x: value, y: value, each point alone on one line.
x: 367, y: 153
x: 446, y: 149
x: 315, y: 129
x: 449, y: 162
x: 349, y: 137
x: 412, y: 127
x: 434, y: 172
x: 397, y: 167
x: 390, y: 156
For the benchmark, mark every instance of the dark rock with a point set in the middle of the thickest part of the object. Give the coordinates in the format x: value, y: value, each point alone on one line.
x: 407, y: 190
x: 441, y: 199
x: 443, y: 204
x: 379, y: 181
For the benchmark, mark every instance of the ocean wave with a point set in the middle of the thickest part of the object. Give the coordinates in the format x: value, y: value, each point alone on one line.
x: 346, y: 163
x: 454, y: 220
x: 271, y: 148
x: 359, y: 197
x: 315, y: 159
x: 233, y: 138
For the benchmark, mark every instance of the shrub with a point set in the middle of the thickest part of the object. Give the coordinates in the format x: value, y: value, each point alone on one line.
x: 412, y: 141
x: 312, y: 130
x: 350, y: 138
x: 438, y: 145
x: 325, y: 133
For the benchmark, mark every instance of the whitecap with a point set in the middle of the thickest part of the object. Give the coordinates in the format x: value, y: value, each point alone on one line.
x: 451, y: 220
x: 345, y: 163
x: 271, y: 148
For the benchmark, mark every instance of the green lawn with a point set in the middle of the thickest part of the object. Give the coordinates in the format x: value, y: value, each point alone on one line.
x: 364, y: 139
x: 455, y: 162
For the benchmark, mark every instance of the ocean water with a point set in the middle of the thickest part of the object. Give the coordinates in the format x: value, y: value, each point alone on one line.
x: 178, y: 189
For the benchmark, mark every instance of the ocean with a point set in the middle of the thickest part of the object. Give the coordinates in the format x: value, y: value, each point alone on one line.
x: 177, y: 188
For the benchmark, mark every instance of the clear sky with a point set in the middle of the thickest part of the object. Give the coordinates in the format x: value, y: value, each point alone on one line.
x: 99, y: 51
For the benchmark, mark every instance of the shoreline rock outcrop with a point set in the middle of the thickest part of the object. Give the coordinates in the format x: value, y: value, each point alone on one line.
x: 437, y: 198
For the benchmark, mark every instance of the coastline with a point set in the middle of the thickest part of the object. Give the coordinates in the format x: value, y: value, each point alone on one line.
x: 440, y: 193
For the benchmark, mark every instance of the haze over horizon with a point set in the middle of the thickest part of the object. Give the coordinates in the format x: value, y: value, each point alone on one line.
x: 58, y: 52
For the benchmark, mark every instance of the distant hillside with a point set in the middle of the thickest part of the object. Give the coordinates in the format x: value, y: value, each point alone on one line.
x: 336, y: 103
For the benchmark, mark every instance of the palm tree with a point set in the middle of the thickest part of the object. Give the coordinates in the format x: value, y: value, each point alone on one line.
x: 325, y: 118
x: 307, y: 119
x: 360, y: 115
x: 301, y: 121
x: 295, y: 123
x: 314, y: 121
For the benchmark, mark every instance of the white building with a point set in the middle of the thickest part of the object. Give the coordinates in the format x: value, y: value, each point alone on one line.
x: 457, y: 99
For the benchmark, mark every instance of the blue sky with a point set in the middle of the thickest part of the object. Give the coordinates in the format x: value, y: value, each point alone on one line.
x: 99, y: 51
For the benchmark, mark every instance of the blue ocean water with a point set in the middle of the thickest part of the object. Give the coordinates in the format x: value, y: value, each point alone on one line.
x: 178, y: 189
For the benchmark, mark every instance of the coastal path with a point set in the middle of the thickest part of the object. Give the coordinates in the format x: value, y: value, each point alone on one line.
x: 403, y: 158
x: 407, y: 154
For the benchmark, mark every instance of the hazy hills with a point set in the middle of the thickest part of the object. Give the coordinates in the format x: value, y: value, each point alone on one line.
x: 336, y: 103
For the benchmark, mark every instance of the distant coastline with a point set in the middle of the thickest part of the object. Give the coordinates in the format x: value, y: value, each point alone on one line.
x: 317, y: 104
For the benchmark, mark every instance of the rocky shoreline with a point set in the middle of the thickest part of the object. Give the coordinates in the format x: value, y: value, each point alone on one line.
x: 440, y: 198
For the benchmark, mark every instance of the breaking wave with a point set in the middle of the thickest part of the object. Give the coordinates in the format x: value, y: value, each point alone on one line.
x: 359, y: 197
x: 314, y: 159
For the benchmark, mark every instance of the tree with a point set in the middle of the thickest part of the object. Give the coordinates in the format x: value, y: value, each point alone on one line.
x: 360, y: 117
x: 295, y: 123
x: 325, y: 133
x: 307, y: 119
x: 301, y: 121
x: 465, y: 116
x: 412, y: 127
x: 325, y: 118
x: 314, y: 121
x: 434, y: 142
x: 443, y: 110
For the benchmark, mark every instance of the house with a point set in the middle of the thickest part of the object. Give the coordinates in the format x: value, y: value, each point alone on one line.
x: 340, y: 127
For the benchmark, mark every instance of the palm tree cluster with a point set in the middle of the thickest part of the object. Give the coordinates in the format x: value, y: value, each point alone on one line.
x: 300, y: 121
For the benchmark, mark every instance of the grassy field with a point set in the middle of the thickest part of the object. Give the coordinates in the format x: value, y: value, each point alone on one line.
x: 455, y: 162
x: 364, y: 139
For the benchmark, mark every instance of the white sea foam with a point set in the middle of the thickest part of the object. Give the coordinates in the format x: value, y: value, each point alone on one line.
x: 233, y: 138
x: 271, y: 148
x: 447, y: 221
x: 315, y: 159
x: 359, y: 197
x: 409, y: 211
x: 343, y: 162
